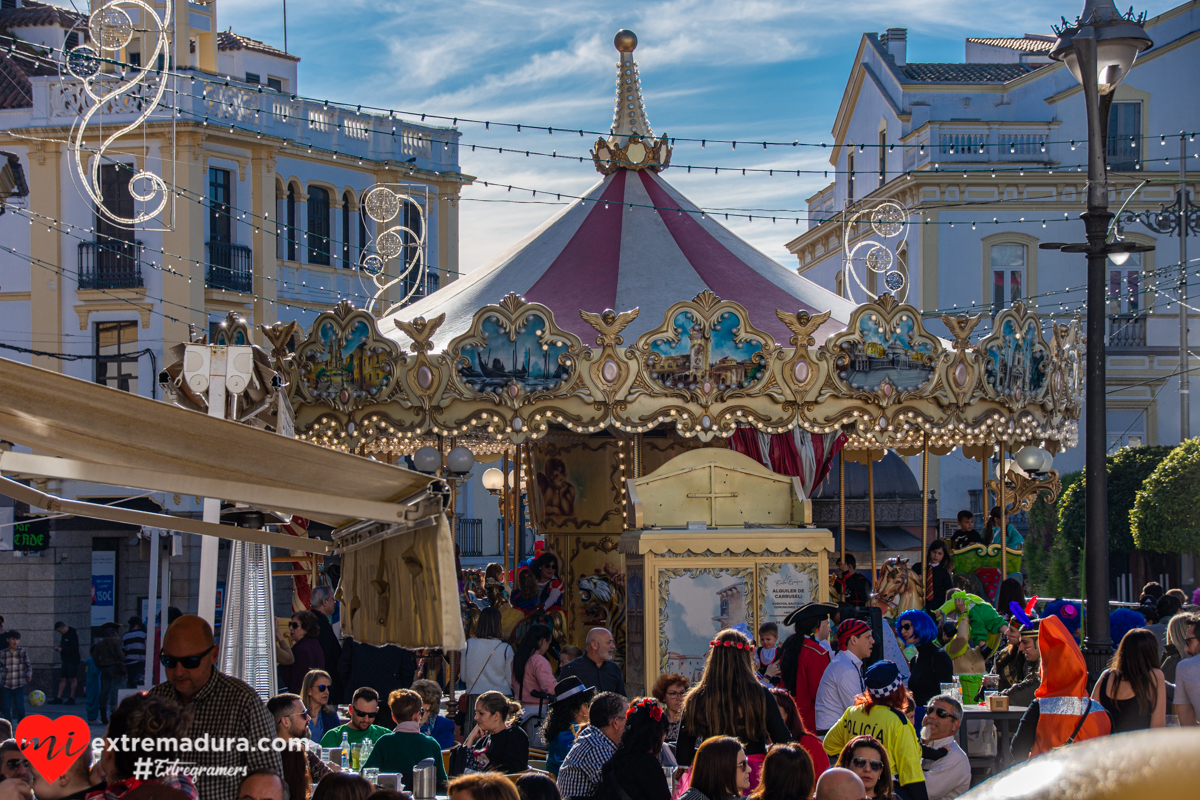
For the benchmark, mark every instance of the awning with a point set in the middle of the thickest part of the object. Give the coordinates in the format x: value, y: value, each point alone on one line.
x: 148, y: 444
x: 886, y: 538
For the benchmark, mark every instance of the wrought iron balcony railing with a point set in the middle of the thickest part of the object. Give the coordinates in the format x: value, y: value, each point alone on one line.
x: 230, y: 267
x: 110, y: 264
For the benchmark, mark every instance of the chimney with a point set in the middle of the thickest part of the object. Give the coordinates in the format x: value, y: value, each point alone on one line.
x: 897, y: 45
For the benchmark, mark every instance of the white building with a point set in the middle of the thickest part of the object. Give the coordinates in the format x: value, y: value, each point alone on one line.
x: 1015, y: 121
x: 264, y: 219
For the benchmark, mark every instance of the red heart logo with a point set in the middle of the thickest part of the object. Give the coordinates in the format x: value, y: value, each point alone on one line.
x: 52, y: 745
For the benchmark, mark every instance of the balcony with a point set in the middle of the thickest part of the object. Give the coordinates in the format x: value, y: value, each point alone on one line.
x: 1126, y: 330
x: 110, y: 264
x: 470, y: 537
x: 230, y: 267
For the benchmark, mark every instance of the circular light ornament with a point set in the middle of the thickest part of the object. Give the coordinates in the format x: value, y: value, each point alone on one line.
x: 894, y: 281
x: 83, y: 62
x: 389, y: 244
x: 372, y: 264
x: 427, y: 459
x: 111, y: 27
x: 493, y: 480
x: 879, y: 259
x: 382, y: 204
x: 888, y: 219
x: 460, y: 460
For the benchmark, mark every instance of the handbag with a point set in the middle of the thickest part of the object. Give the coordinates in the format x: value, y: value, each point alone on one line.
x: 458, y: 760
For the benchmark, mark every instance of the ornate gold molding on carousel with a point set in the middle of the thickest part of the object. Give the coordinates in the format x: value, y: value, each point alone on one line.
x: 515, y: 375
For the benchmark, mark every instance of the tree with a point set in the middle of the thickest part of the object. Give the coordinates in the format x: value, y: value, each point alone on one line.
x: 1163, y: 517
x: 1127, y: 469
x: 1062, y: 575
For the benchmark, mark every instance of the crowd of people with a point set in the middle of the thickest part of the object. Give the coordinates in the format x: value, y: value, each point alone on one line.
x: 816, y: 715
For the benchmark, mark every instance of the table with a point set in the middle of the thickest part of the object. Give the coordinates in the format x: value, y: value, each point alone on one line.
x: 1003, y: 720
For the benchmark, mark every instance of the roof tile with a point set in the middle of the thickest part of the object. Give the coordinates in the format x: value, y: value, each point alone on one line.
x: 228, y: 40
x: 1013, y: 43
x: 963, y: 73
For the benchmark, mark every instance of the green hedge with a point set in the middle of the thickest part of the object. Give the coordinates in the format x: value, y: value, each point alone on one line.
x: 1164, y: 515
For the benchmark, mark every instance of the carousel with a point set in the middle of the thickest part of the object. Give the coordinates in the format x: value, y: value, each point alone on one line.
x: 670, y: 399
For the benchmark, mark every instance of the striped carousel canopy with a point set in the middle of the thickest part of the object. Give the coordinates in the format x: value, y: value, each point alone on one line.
x: 632, y: 241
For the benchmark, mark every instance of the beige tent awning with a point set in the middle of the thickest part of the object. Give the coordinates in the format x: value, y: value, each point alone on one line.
x: 157, y: 443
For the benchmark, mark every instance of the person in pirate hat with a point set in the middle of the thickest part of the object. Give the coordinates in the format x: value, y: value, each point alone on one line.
x: 804, y: 659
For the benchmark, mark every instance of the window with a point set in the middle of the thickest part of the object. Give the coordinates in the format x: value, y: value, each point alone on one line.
x: 850, y: 177
x: 364, y: 236
x: 72, y: 40
x: 1125, y: 286
x: 412, y: 238
x: 134, y: 59
x: 882, y: 157
x: 275, y: 83
x: 1008, y: 274
x: 115, y: 194
x: 116, y: 355
x: 252, y: 77
x: 291, y: 223
x: 1124, y: 130
x: 318, y: 225
x: 1126, y: 428
x: 724, y: 606
x: 839, y: 284
x: 346, y: 230
x: 218, y: 206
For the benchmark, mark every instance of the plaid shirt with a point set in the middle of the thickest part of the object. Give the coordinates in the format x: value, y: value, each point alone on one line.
x: 15, y: 666
x: 226, y: 707
x: 580, y: 772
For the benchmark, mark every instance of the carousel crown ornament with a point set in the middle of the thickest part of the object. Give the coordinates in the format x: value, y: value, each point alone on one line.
x: 631, y: 143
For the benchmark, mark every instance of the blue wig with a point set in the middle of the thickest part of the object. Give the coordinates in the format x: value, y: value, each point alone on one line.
x: 923, y: 625
x: 1122, y: 621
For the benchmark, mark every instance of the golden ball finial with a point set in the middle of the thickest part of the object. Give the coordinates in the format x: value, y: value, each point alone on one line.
x: 625, y: 41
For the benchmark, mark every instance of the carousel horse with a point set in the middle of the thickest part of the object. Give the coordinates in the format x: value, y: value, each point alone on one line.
x: 898, y: 588
x: 835, y: 589
x: 601, y: 596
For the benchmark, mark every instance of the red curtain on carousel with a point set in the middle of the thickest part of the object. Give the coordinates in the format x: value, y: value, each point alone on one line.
x: 797, y: 453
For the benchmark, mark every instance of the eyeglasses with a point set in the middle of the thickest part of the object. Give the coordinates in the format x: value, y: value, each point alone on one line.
x: 862, y: 763
x: 322, y: 687
x: 906, y: 626
x: 1189, y: 639
x: 743, y: 763
x: 16, y: 763
x: 367, y: 714
x: 943, y: 713
x: 679, y: 693
x: 188, y: 662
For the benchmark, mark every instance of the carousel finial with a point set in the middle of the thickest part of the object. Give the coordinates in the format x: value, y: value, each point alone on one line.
x: 630, y: 144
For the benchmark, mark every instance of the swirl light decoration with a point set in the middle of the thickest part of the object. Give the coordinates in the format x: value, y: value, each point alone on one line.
x: 406, y: 241
x: 111, y: 28
x: 882, y: 229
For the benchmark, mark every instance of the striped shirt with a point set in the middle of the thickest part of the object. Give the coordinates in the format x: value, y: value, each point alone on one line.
x: 134, y: 643
x: 580, y: 772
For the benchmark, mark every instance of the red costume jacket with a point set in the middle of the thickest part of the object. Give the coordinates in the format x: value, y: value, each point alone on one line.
x: 813, y: 661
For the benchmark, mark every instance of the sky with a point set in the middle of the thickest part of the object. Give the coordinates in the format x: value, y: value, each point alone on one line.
x: 748, y: 69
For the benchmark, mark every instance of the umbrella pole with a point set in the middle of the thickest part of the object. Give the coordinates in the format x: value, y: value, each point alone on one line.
x: 925, y: 515
x: 871, y: 509
x: 842, y: 500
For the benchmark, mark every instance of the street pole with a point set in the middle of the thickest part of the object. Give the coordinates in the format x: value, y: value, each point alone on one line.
x: 1185, y: 421
x: 1097, y: 643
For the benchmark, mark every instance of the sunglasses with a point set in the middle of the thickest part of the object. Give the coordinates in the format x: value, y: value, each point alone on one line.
x: 906, y: 626
x: 188, y: 662
x: 366, y: 714
x: 16, y: 763
x: 322, y: 687
x: 943, y: 713
x: 743, y: 764
x: 293, y: 625
x: 304, y: 714
x: 862, y: 763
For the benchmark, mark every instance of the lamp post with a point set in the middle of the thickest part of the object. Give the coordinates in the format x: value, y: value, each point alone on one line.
x: 1099, y: 50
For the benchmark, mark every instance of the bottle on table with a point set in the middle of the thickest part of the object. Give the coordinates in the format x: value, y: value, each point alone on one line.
x: 345, y: 752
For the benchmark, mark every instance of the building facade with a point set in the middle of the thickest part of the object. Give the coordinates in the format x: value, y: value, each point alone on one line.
x: 987, y: 157
x: 263, y: 218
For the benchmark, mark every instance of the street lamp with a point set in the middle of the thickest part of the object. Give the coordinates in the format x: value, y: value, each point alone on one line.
x: 1099, y: 50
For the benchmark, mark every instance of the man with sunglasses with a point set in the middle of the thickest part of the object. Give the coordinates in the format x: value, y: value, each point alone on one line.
x: 222, y: 707
x: 947, y: 768
x: 364, y: 710
x: 13, y: 763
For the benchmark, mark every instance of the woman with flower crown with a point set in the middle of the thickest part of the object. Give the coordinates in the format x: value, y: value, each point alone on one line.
x: 635, y: 772
x: 729, y: 701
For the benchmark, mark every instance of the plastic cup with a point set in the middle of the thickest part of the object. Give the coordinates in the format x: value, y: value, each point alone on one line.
x: 355, y: 750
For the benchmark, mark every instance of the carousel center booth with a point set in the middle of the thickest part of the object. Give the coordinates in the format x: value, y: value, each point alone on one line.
x: 671, y: 399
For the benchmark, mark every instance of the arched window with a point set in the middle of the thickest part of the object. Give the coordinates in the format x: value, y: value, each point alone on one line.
x: 364, y: 236
x: 413, y: 223
x: 318, y: 225
x: 291, y: 223
x: 346, y: 230
x: 839, y: 284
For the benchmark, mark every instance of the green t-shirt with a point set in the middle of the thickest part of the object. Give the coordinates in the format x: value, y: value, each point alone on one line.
x: 400, y: 752
x: 333, y: 738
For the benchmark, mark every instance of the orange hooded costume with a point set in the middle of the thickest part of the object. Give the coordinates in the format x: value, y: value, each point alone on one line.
x: 1061, y: 700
